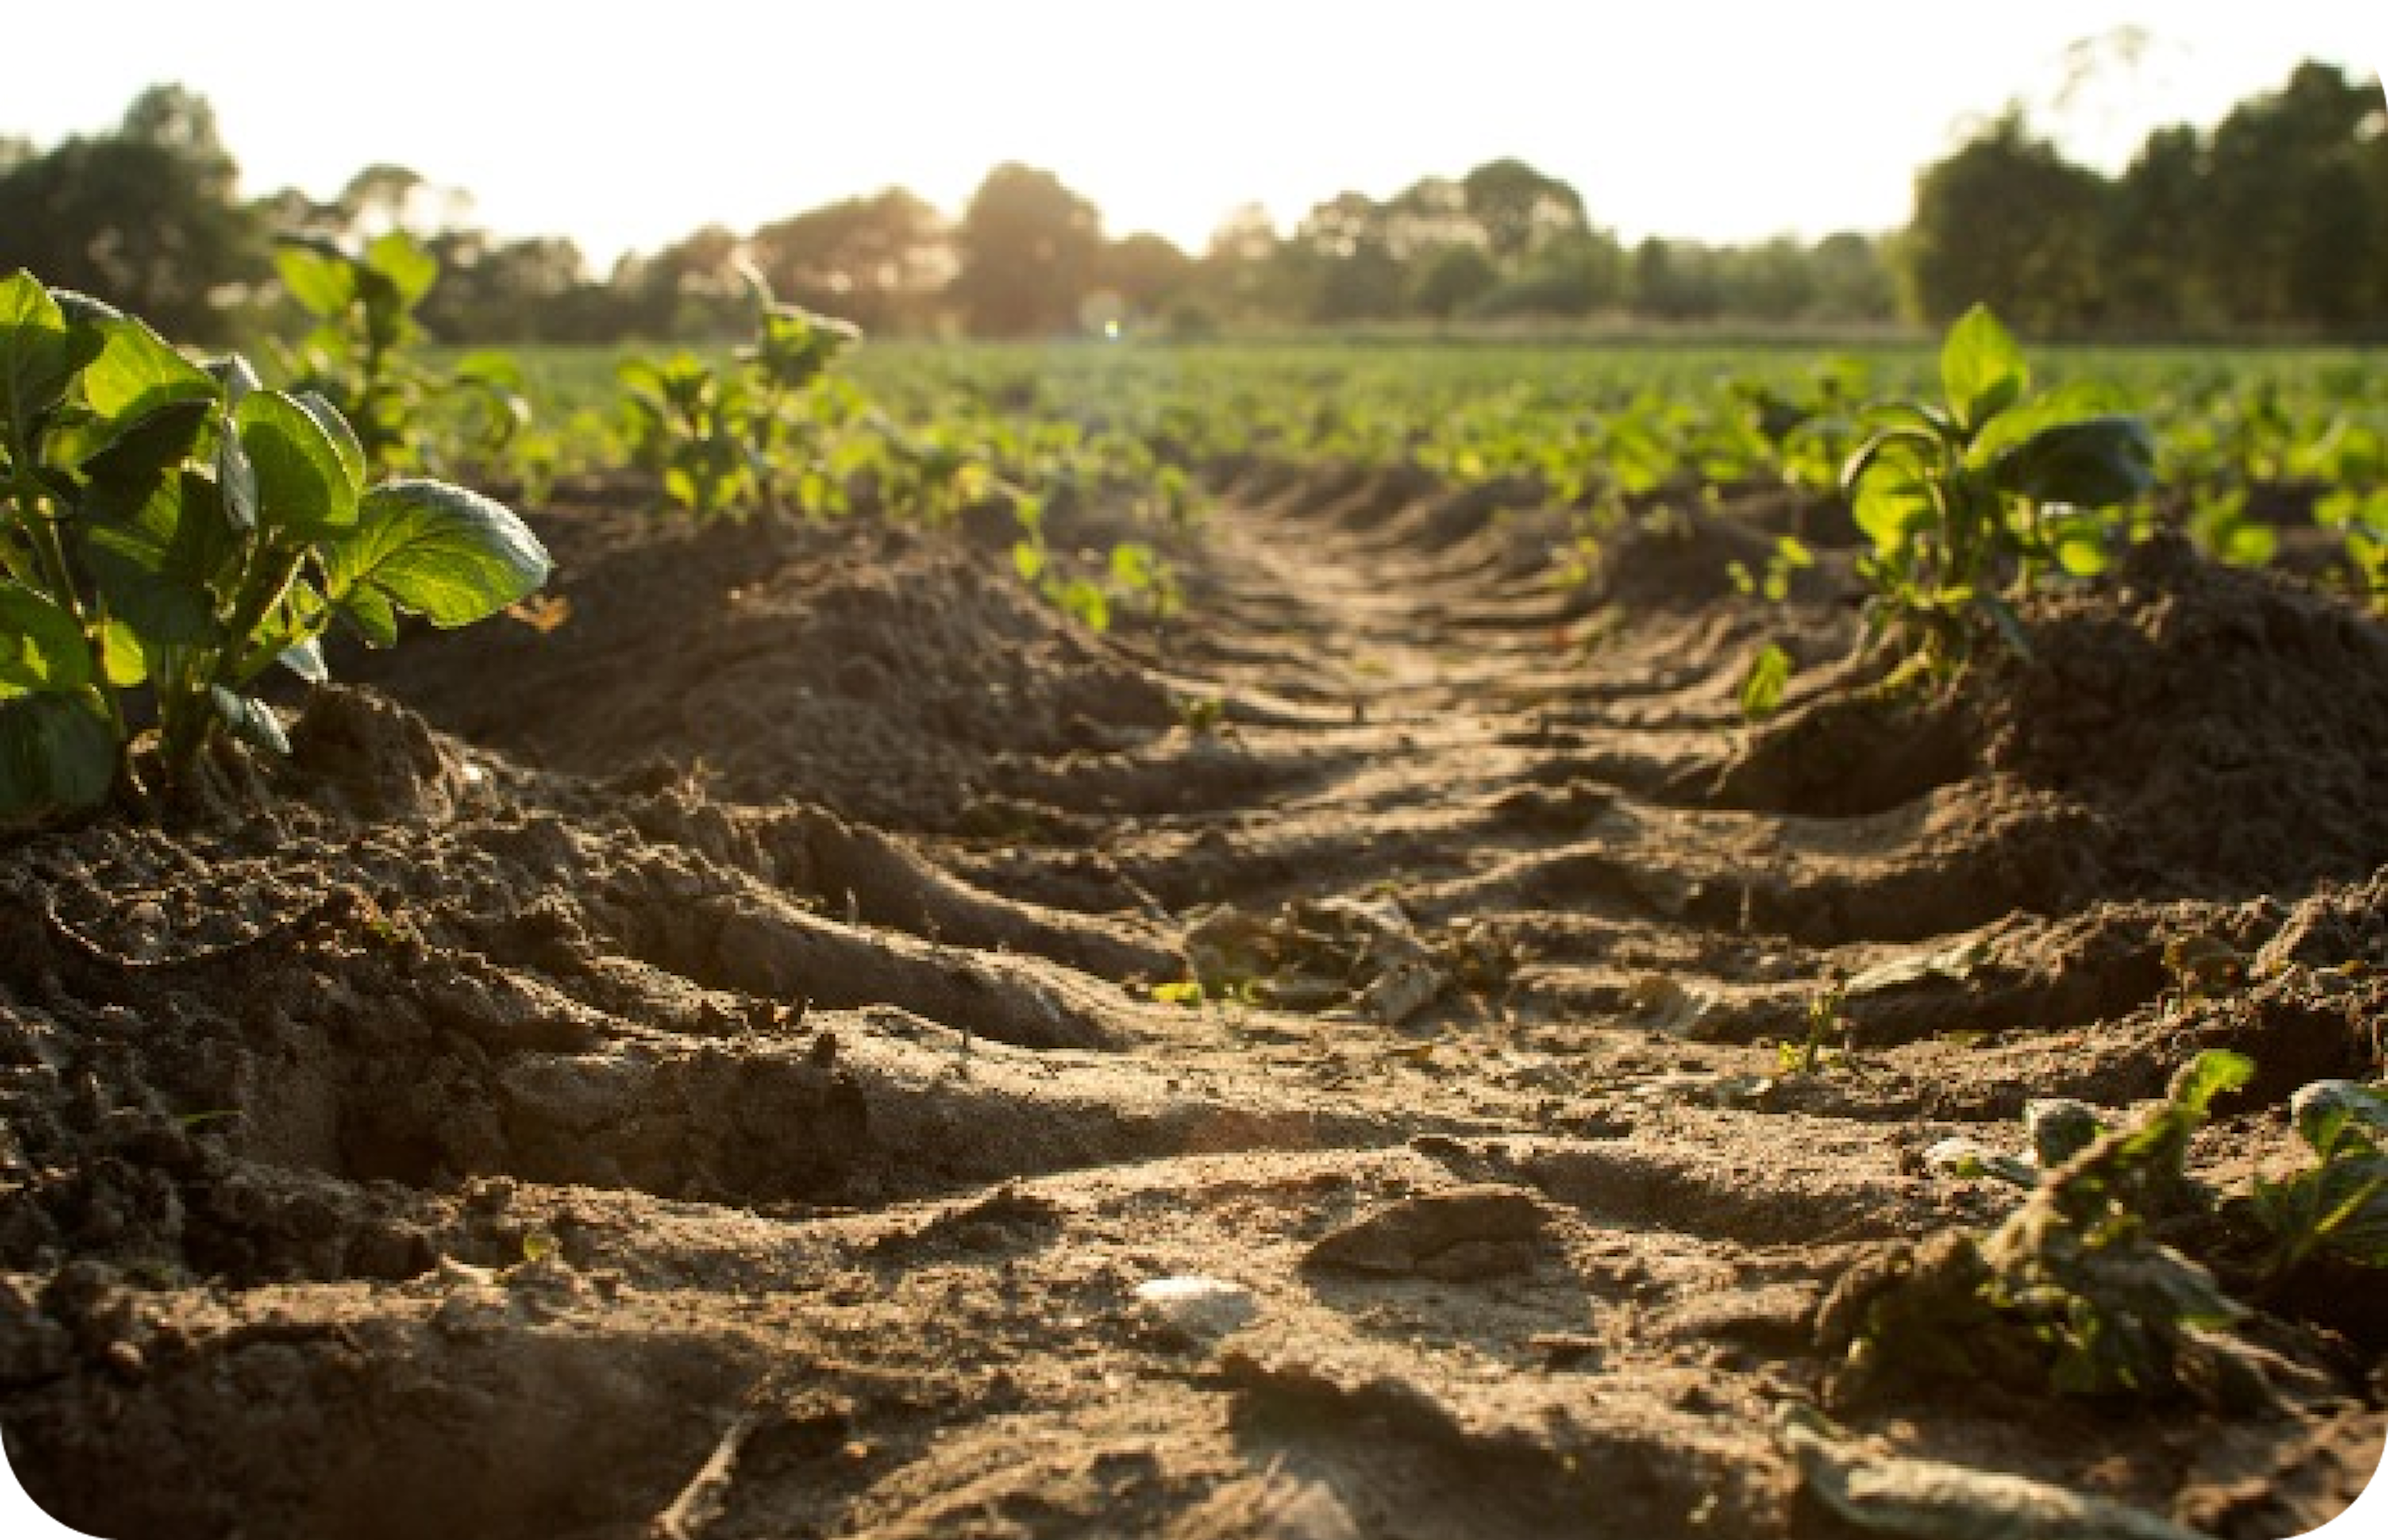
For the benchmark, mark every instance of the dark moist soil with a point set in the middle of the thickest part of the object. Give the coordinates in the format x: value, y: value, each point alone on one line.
x: 693, y: 1070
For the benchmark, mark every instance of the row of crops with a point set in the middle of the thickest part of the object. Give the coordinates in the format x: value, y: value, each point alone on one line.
x: 176, y: 526
x: 2246, y: 443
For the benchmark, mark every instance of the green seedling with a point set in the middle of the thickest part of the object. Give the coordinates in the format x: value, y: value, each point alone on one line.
x: 1144, y: 574
x: 688, y: 426
x: 1187, y: 993
x: 1763, y: 686
x: 2362, y: 519
x: 1970, y: 500
x: 171, y: 532
x: 2339, y: 1206
x: 1202, y: 716
x: 1133, y: 572
x: 1790, y: 555
x: 1826, y: 1018
x: 2072, y: 1291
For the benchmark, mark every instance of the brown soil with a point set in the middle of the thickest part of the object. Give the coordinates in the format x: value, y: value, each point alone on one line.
x: 694, y: 1072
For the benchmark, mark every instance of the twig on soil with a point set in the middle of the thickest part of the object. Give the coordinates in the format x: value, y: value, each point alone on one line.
x: 687, y: 1515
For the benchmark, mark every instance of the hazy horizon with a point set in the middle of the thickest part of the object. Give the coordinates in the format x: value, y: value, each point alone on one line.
x: 626, y: 137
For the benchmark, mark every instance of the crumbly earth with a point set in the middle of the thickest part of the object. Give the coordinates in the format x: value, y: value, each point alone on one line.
x: 695, y: 1070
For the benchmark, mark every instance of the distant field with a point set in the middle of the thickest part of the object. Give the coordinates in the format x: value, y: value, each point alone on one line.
x: 2284, y: 427
x: 1417, y: 382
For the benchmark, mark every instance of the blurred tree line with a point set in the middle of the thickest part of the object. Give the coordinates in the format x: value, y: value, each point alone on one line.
x: 2274, y: 223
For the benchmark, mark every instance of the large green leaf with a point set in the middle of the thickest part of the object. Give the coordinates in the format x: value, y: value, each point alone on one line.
x: 336, y: 428
x: 121, y: 474
x: 42, y: 648
x: 441, y: 551
x: 317, y: 275
x: 2094, y: 464
x: 39, y: 350
x: 56, y: 751
x: 304, y: 488
x: 138, y: 372
x: 2074, y: 401
x: 410, y: 268
x: 1981, y: 367
x: 1890, y: 507
x: 155, y: 562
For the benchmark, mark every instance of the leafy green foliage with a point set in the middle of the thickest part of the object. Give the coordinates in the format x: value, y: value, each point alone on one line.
x: 362, y: 355
x: 727, y: 442
x: 2072, y: 1291
x: 2339, y: 1206
x: 177, y: 530
x: 1969, y: 500
x: 2360, y: 515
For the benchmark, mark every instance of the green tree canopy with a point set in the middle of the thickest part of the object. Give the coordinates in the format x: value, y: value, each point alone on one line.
x: 2009, y: 222
x: 148, y: 218
x: 2293, y: 228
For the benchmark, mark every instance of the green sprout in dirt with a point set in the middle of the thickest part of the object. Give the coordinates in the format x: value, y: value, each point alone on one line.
x: 1970, y: 500
x: 1764, y: 683
x: 1827, y: 1019
x: 2362, y: 517
x: 171, y: 532
x: 1133, y: 572
x: 1790, y: 555
x: 1768, y: 674
x: 2072, y: 1291
x: 2339, y: 1206
x: 1203, y: 715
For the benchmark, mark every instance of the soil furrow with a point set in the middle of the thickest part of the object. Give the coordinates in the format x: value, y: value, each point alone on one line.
x: 1390, y: 1052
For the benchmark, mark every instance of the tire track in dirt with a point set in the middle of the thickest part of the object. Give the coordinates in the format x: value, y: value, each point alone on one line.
x: 635, y: 1152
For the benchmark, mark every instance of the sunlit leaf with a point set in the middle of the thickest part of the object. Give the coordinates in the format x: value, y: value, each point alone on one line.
x: 304, y: 486
x: 41, y: 647
x: 1982, y: 368
x: 441, y: 551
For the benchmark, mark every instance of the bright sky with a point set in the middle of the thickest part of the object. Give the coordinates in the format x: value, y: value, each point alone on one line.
x: 626, y: 126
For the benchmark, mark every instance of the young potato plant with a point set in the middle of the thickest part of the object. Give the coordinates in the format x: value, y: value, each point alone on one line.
x: 171, y: 532
x: 1134, y: 571
x: 1972, y: 499
x: 2072, y: 1291
x: 2339, y: 1206
x: 361, y: 356
x: 726, y: 442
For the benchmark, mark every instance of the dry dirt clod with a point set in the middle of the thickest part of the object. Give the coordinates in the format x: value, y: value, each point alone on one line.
x: 1467, y: 1233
